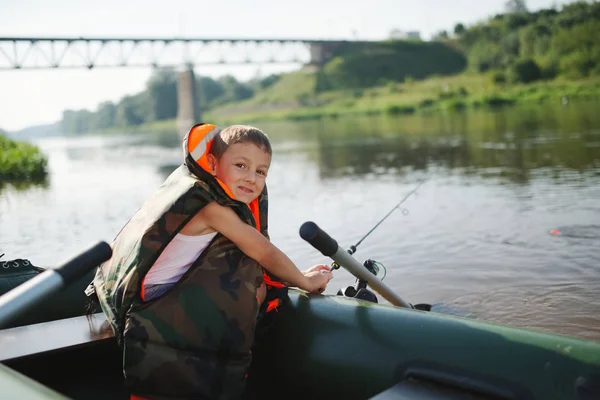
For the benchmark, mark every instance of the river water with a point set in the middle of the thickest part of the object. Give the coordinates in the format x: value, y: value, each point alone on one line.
x: 475, y: 240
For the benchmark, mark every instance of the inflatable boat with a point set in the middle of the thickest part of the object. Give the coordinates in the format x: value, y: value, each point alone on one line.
x: 345, y: 346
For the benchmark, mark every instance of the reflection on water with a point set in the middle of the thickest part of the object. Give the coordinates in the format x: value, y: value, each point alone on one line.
x: 22, y: 186
x: 475, y: 240
x: 578, y: 231
x: 486, y: 144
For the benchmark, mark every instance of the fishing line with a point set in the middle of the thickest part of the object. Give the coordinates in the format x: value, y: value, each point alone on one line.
x: 352, y: 249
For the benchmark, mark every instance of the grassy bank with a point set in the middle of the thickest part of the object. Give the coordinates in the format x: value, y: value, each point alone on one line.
x: 294, y: 98
x: 20, y: 161
x: 433, y: 94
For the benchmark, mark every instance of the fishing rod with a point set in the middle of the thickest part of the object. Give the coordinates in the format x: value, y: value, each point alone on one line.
x: 352, y: 248
x: 367, y: 273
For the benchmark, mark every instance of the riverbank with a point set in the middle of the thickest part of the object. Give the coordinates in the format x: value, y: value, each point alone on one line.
x: 435, y: 94
x: 21, y: 161
x: 438, y: 94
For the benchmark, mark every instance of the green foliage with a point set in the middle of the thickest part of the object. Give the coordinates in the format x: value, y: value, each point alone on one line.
x: 495, y: 101
x: 441, y: 35
x: 578, y: 49
x: 21, y: 161
x: 485, y: 56
x: 396, y: 109
x: 233, y: 90
x: 524, y: 71
x: 459, y: 29
x: 162, y: 95
x: 158, y: 102
x: 209, y: 91
x: 359, y: 65
x: 322, y: 84
x: 292, y: 86
x: 516, y: 7
x: 560, y: 43
x: 498, y: 78
x: 426, y: 103
x: 268, y: 81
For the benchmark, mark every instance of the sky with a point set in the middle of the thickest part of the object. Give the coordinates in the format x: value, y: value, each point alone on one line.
x: 32, y: 97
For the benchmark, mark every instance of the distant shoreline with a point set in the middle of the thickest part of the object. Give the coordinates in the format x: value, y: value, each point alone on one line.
x: 439, y: 94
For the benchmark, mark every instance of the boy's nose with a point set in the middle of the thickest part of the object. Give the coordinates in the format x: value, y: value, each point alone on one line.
x: 251, y: 177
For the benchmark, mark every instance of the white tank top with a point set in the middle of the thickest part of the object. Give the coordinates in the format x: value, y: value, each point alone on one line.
x: 177, y: 258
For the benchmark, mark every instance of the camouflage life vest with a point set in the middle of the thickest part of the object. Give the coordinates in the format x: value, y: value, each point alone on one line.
x: 193, y: 341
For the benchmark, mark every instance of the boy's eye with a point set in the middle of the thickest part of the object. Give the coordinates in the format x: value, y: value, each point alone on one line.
x: 262, y: 172
x: 240, y: 165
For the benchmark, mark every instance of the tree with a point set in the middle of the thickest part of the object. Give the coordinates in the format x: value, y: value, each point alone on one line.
x: 162, y: 94
x: 441, y: 35
x: 129, y: 111
x: 104, y: 117
x: 524, y: 71
x: 209, y: 91
x: 516, y: 7
x: 234, y: 90
x: 459, y: 29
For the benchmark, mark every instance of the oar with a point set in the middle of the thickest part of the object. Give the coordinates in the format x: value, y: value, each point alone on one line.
x: 321, y: 241
x: 36, y: 289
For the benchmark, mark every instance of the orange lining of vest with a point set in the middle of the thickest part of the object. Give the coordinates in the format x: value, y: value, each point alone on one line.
x: 271, y: 282
x: 272, y: 305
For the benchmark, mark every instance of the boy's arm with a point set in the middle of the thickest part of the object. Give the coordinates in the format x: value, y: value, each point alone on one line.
x: 225, y: 221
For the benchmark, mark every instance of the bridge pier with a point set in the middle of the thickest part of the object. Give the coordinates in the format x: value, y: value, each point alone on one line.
x: 317, y: 54
x: 321, y: 53
x: 188, y: 110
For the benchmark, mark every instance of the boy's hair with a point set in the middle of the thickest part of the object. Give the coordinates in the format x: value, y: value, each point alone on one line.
x: 240, y: 134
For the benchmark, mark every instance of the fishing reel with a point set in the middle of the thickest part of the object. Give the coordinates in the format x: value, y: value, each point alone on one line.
x: 359, y: 290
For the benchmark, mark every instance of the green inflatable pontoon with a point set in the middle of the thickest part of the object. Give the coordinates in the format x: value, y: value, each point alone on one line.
x: 316, y: 347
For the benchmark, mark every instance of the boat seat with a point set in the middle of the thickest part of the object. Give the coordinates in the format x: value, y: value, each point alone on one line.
x: 45, y: 337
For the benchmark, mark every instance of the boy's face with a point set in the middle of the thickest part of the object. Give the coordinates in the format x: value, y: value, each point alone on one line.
x: 243, y: 168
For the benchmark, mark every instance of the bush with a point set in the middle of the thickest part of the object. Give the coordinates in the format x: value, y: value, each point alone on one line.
x: 524, y: 71
x: 495, y: 101
x: 21, y: 161
x: 399, y: 109
x: 457, y: 105
x: 392, y: 87
x: 498, y: 78
x: 550, y: 69
x: 426, y: 103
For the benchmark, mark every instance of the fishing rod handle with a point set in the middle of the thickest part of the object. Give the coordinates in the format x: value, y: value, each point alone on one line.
x: 318, y: 238
x: 351, y: 264
x: 321, y: 241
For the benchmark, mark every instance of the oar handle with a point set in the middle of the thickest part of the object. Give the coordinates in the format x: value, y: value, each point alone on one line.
x: 79, y: 265
x: 321, y: 241
x: 23, y: 297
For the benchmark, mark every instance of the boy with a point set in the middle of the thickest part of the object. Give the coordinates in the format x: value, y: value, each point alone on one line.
x: 182, y: 288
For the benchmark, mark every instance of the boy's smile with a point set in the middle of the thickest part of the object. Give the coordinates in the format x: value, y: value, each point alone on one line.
x: 243, y: 169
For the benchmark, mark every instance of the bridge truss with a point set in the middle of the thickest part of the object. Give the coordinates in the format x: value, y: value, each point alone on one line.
x: 53, y: 53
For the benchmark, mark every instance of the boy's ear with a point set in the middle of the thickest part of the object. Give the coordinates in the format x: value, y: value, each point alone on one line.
x: 212, y: 163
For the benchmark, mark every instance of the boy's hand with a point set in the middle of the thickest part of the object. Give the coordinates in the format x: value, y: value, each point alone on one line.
x: 318, y: 267
x: 317, y: 278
